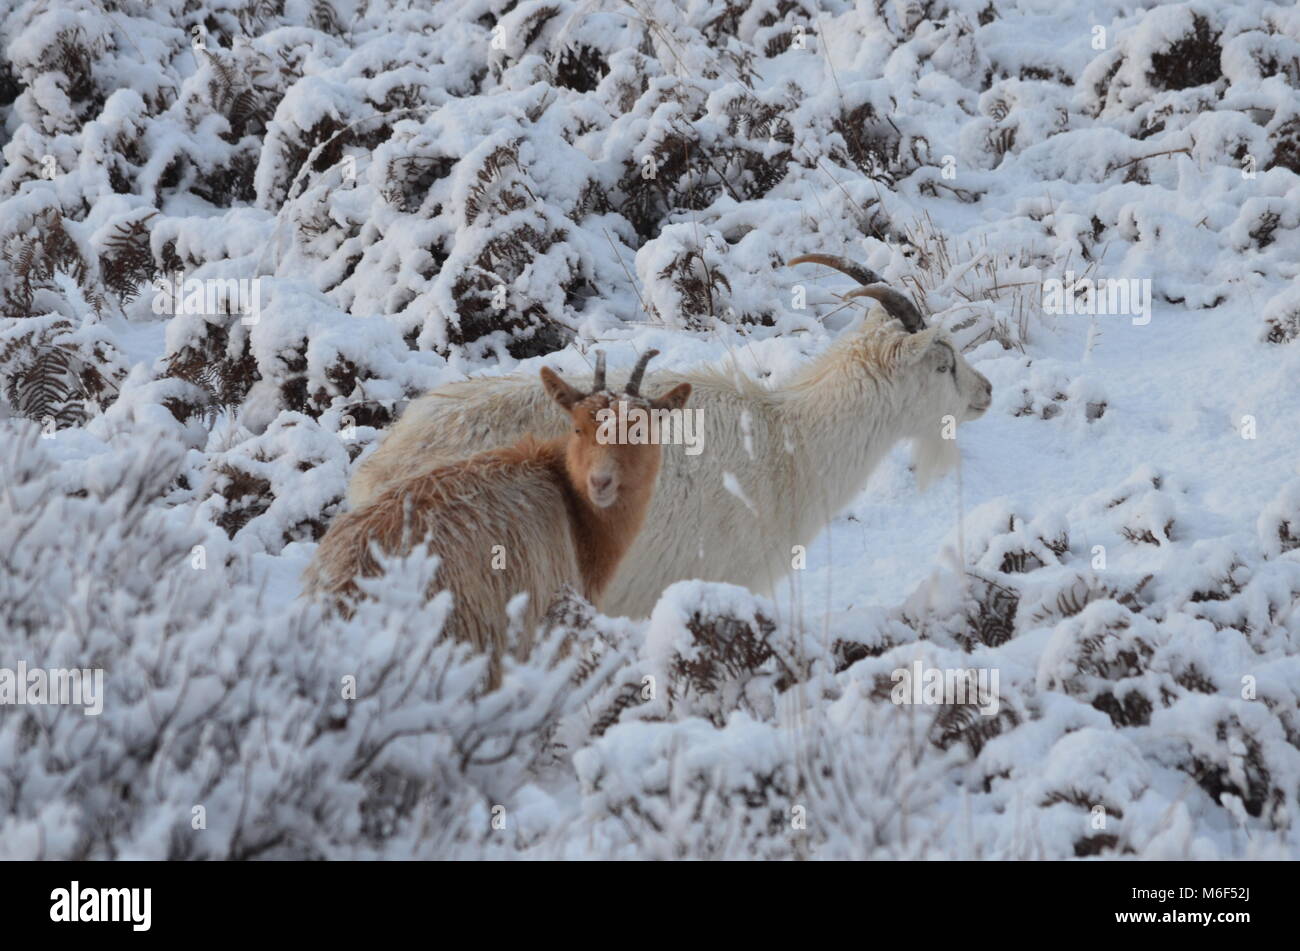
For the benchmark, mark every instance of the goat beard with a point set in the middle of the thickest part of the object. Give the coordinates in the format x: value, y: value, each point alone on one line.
x: 932, y: 455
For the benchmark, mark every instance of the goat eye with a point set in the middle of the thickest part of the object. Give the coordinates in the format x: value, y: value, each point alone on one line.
x: 941, y: 369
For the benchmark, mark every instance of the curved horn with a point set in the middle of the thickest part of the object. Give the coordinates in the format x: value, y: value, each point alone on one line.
x: 598, y: 381
x: 634, y: 381
x: 863, y: 275
x: 896, y: 305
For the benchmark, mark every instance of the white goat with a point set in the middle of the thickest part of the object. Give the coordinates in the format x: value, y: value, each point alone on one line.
x: 777, y: 464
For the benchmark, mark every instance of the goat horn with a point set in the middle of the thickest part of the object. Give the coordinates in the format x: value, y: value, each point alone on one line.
x: 863, y: 275
x: 598, y: 381
x: 634, y: 381
x: 896, y: 305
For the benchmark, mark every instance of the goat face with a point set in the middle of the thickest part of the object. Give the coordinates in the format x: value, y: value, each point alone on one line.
x: 950, y: 384
x: 602, y: 463
x: 599, y: 461
x: 940, y: 387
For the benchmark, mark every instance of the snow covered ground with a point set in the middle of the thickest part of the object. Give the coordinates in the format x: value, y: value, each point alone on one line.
x: 412, y: 196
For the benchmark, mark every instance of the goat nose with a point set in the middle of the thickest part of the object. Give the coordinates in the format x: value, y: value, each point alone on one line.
x: 599, y: 483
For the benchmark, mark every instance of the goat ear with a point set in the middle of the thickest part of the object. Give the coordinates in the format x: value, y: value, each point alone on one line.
x: 674, y: 398
x: 558, y: 390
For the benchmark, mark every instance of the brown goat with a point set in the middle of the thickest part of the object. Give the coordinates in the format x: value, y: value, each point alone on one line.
x: 529, y: 518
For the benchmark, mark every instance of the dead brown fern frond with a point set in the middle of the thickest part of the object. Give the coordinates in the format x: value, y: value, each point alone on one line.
x: 127, y: 261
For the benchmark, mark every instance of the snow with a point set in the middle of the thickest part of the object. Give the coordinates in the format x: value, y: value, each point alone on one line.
x: 1121, y: 540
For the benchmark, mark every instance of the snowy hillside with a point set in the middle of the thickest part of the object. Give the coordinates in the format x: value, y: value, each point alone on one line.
x: 236, y: 239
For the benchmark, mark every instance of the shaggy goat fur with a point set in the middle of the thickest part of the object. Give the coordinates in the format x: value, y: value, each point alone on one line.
x: 557, y: 512
x: 777, y: 464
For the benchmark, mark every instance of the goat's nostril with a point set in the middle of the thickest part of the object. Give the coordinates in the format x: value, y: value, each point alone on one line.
x: 601, y: 483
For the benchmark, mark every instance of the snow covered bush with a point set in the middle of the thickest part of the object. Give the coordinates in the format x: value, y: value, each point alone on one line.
x: 233, y: 725
x: 236, y: 238
x: 1279, y: 524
